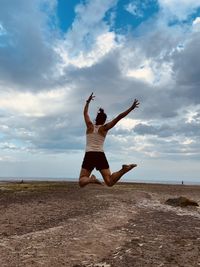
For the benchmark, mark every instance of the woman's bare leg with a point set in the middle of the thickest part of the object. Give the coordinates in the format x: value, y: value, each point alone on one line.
x: 85, y: 178
x: 111, y: 179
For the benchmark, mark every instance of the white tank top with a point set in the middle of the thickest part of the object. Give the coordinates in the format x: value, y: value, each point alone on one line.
x: 95, y: 141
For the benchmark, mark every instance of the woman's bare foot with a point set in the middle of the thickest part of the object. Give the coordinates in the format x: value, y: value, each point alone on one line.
x: 94, y: 180
x: 128, y: 167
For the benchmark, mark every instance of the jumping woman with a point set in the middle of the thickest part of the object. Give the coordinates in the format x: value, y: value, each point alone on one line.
x: 94, y: 155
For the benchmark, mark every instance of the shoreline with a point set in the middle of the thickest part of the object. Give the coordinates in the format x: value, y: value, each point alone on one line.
x: 68, y: 180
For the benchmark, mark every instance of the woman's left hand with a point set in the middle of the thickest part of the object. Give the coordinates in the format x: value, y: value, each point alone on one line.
x: 135, y: 104
x: 91, y: 97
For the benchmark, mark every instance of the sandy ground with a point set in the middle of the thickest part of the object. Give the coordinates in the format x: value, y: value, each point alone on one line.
x: 59, y: 224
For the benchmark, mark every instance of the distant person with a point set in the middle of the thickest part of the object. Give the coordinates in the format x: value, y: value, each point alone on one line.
x: 94, y: 155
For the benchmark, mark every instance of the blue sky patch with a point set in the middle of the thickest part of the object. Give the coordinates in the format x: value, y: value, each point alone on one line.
x: 187, y: 21
x: 119, y: 18
x: 66, y: 13
x: 130, y: 14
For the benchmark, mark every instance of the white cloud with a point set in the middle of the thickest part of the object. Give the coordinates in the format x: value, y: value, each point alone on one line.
x: 144, y: 73
x: 188, y: 141
x: 2, y: 30
x: 127, y: 124
x: 89, y: 38
x: 8, y: 145
x: 180, y: 9
x: 133, y: 9
x: 191, y: 114
x: 88, y: 25
x: 196, y: 21
x: 5, y: 158
x: 196, y: 24
x: 103, y: 44
x: 35, y: 105
x: 152, y: 72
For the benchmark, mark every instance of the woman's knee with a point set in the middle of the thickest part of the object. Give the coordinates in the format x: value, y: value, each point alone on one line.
x: 106, y: 174
x: 108, y: 181
x: 82, y: 181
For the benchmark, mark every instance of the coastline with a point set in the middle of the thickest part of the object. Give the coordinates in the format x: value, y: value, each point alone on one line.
x: 62, y: 179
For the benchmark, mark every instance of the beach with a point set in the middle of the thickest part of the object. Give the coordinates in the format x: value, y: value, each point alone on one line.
x: 59, y: 224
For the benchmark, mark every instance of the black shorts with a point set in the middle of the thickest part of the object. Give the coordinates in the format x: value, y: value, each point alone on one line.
x: 95, y: 160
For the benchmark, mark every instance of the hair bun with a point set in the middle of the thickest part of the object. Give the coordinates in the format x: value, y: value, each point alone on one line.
x: 101, y: 110
x: 101, y: 117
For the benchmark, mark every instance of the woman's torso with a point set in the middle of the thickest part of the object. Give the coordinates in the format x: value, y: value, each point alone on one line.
x: 95, y: 139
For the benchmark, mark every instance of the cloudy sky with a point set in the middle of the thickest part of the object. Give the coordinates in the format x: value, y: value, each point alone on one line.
x: 54, y: 53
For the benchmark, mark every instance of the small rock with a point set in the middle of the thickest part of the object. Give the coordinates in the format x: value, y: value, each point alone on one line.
x: 102, y: 264
x: 181, y: 201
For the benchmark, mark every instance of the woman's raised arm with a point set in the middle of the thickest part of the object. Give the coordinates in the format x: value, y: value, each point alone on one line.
x: 88, y: 122
x: 112, y: 123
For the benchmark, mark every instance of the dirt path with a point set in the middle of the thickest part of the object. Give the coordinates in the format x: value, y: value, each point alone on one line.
x: 120, y: 226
